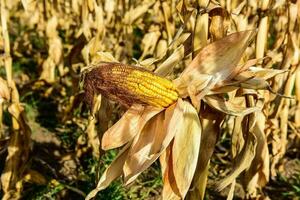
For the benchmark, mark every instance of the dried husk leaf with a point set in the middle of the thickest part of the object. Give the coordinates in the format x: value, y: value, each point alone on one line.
x: 134, y: 13
x: 92, y: 134
x: 113, y: 171
x: 152, y: 141
x: 218, y: 59
x: 242, y: 161
x: 201, y: 31
x: 185, y: 149
x: 4, y: 90
x: 128, y: 126
x: 170, y: 189
x: 219, y: 23
x: 228, y: 107
x: 168, y: 65
x: 18, y: 152
x: 104, y: 57
x: 261, y: 40
x: 210, y: 132
x: 258, y: 173
x: 149, y: 43
x: 139, y: 154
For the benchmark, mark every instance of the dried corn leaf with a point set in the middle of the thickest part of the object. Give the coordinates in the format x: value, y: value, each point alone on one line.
x: 112, y: 172
x: 134, y: 13
x: 218, y: 59
x: 228, y: 107
x: 210, y: 132
x: 128, y: 126
x: 140, y: 157
x: 91, y: 130
x: 152, y: 141
x: 168, y: 65
x: 219, y: 23
x: 4, y: 91
x: 258, y: 173
x: 201, y: 31
x: 185, y: 149
x: 170, y: 189
x: 18, y: 152
x: 242, y: 161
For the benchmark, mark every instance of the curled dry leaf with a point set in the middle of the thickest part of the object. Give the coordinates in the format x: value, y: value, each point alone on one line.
x: 210, y: 133
x: 243, y: 161
x: 228, y: 107
x: 258, y: 173
x: 113, y: 171
x: 170, y: 190
x: 185, y: 149
x: 153, y: 140
x: 128, y: 126
x: 218, y: 59
x: 18, y: 153
x: 91, y: 128
x: 4, y: 90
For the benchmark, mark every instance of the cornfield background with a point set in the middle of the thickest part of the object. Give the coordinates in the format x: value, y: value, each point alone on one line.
x: 50, y: 144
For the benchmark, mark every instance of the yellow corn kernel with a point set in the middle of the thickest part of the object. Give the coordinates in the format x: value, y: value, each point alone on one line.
x: 152, y: 89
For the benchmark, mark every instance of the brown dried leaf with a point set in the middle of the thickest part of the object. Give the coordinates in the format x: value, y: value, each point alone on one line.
x: 210, y: 132
x: 134, y: 13
x: 228, y: 107
x: 113, y: 171
x: 152, y: 141
x: 219, y: 22
x: 186, y: 148
x: 4, y: 91
x: 242, y: 161
x: 170, y: 189
x: 168, y: 65
x: 128, y: 126
x: 218, y: 59
x: 258, y: 173
x: 18, y: 152
x: 91, y: 130
x: 201, y: 31
x: 139, y: 156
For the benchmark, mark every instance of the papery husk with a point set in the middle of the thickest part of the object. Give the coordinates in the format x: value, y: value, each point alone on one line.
x: 168, y: 65
x: 243, y: 161
x: 152, y: 141
x: 91, y: 130
x: 170, y: 190
x: 218, y: 59
x: 4, y: 91
x: 219, y: 23
x: 244, y: 158
x: 130, y: 124
x: 229, y: 107
x: 185, y: 149
x: 258, y: 174
x: 210, y: 133
x: 18, y: 153
x: 112, y: 172
x: 201, y: 31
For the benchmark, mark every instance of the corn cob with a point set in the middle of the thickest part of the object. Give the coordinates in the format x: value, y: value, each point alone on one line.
x: 128, y: 85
